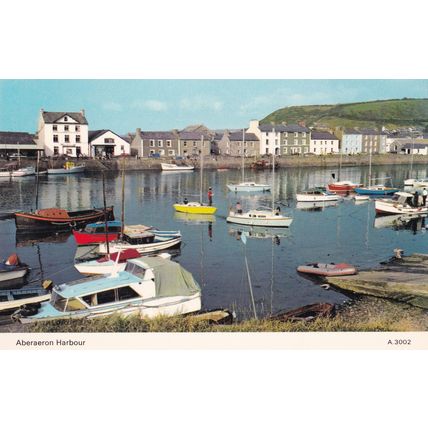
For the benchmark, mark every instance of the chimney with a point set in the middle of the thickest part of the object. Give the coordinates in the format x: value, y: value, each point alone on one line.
x: 42, y: 111
x: 302, y: 123
x: 284, y: 123
x: 82, y: 111
x: 138, y: 131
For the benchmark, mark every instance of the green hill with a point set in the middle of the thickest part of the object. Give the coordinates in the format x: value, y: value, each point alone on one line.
x: 388, y: 113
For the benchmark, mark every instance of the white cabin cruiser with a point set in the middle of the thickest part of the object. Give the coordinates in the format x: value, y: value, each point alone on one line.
x: 401, y: 203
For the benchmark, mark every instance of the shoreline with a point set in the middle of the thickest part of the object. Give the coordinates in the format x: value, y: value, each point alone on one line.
x: 227, y: 162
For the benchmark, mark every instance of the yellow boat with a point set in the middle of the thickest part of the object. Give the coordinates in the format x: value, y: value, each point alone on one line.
x: 195, y: 208
x: 196, y: 218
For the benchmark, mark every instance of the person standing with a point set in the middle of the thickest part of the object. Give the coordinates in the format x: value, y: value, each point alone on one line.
x: 238, y: 208
x: 424, y: 197
x: 210, y: 196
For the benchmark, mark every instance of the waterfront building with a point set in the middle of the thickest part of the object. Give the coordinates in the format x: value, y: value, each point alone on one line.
x: 350, y: 140
x: 192, y: 143
x: 395, y: 139
x: 373, y: 140
x: 155, y: 143
x: 63, y: 133
x: 106, y: 143
x: 13, y: 142
x: 416, y: 146
x: 323, y: 143
x: 295, y: 139
x: 232, y: 144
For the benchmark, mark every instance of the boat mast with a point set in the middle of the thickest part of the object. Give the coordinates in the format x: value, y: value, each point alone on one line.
x: 411, y: 158
x: 105, y: 213
x: 202, y: 169
x: 37, y: 180
x: 243, y: 161
x: 370, y: 164
x: 340, y: 167
x: 19, y: 156
x: 273, y: 180
x: 123, y: 199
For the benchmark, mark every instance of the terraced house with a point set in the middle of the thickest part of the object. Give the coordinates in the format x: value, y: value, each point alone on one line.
x: 192, y: 143
x: 351, y: 140
x: 155, y: 143
x: 237, y: 144
x: 323, y: 143
x: 373, y: 140
x: 295, y: 139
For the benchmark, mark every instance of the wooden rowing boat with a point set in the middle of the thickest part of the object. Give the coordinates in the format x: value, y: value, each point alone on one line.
x: 305, y: 313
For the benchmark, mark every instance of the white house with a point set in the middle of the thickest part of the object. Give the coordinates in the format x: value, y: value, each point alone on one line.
x: 352, y: 141
x: 63, y: 133
x: 106, y: 143
x: 268, y: 135
x: 323, y: 143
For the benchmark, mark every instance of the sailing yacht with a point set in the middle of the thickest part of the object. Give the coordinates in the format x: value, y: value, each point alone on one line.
x: 197, y: 207
x: 247, y: 186
x: 269, y: 217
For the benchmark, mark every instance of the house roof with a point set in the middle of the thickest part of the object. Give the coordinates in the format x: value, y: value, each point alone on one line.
x: 321, y: 135
x: 93, y: 135
x: 351, y: 131
x: 158, y: 135
x: 52, y: 117
x: 16, y: 137
x: 414, y: 146
x: 194, y: 135
x: 237, y: 136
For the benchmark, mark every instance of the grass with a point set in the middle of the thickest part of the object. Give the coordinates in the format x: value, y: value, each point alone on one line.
x: 363, y: 315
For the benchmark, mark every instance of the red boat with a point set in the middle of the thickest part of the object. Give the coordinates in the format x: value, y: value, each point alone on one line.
x: 53, y: 219
x: 95, y: 233
x: 342, y: 186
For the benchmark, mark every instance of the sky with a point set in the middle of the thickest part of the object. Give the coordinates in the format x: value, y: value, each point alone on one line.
x: 124, y: 105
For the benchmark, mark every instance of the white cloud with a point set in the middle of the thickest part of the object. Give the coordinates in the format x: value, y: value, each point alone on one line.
x: 153, y: 105
x: 201, y: 103
x: 112, y: 106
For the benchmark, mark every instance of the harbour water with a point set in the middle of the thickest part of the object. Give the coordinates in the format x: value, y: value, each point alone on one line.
x: 214, y: 250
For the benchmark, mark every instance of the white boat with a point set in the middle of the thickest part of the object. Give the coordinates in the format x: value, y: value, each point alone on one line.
x: 268, y: 217
x: 12, y: 269
x: 361, y: 197
x: 21, y: 172
x: 316, y: 195
x: 401, y: 203
x: 416, y: 182
x: 68, y: 168
x: 174, y: 167
x: 148, y: 287
x: 315, y: 206
x: 144, y: 242
x: 247, y: 186
x: 110, y: 263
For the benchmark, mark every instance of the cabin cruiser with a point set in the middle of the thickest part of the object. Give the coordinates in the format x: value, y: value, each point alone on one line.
x: 400, y: 203
x: 148, y: 287
x: 416, y: 182
x: 316, y: 194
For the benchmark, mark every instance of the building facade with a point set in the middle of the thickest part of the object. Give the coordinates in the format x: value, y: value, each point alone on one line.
x: 192, y: 143
x: 373, y: 141
x: 323, y: 143
x: 105, y: 143
x: 63, y: 133
x: 351, y: 141
x: 295, y: 140
x: 17, y: 143
x: 238, y: 144
x: 155, y: 143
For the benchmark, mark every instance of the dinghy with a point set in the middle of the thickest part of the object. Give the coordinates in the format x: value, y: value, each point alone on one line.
x: 327, y: 269
x: 305, y: 313
x: 12, y: 269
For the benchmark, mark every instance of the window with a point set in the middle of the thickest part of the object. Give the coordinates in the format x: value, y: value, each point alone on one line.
x: 184, y: 143
x: 105, y: 297
x: 58, y: 302
x: 162, y: 152
x: 55, y: 127
x: 303, y: 134
x: 74, y: 304
x: 171, y: 152
x: 285, y: 150
x: 69, y: 152
x: 296, y: 141
x: 126, y: 293
x: 55, y: 138
x: 77, y: 128
x: 109, y: 140
x: 168, y: 143
x: 122, y: 148
x: 65, y: 119
x: 134, y: 269
x: 296, y: 134
x: 160, y: 143
x: 56, y: 151
x: 66, y: 138
x: 152, y: 143
x: 65, y: 127
x: 152, y: 152
x: 77, y: 138
x: 195, y: 143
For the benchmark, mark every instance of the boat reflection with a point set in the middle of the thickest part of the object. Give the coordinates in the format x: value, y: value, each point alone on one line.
x: 401, y: 222
x: 194, y: 218
x: 258, y: 232
x: 34, y: 238
x: 315, y: 206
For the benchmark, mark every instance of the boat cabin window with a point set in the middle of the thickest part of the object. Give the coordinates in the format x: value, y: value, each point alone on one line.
x: 74, y: 304
x: 104, y: 297
x: 58, y: 302
x: 134, y: 269
x: 125, y: 293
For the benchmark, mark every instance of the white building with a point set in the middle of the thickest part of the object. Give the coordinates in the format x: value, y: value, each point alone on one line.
x: 352, y: 142
x: 323, y: 143
x: 106, y: 143
x: 63, y: 133
x: 268, y: 135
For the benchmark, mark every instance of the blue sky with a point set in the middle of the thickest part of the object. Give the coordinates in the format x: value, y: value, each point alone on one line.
x: 123, y: 105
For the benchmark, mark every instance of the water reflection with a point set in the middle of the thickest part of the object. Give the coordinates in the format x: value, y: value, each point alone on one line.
x: 316, y: 206
x: 415, y: 224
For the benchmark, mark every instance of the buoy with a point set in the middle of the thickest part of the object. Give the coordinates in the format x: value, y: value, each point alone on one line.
x: 13, y: 260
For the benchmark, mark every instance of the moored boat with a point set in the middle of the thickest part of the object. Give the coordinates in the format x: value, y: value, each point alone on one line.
x: 12, y: 269
x: 195, y: 208
x: 305, y: 313
x: 59, y: 219
x: 401, y: 203
x: 416, y: 182
x: 327, y: 269
x: 175, y: 167
x: 67, y: 168
x: 259, y: 217
x: 316, y: 195
x: 376, y: 190
x: 248, y: 186
x: 148, y: 287
x: 94, y: 233
x: 342, y: 186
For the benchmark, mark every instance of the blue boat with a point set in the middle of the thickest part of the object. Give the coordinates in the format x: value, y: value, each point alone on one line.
x: 376, y: 190
x: 148, y: 287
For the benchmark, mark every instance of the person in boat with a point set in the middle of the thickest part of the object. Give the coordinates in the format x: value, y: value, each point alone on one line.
x: 277, y: 210
x: 210, y: 196
x: 424, y: 197
x: 238, y: 208
x: 416, y: 199
x: 185, y: 201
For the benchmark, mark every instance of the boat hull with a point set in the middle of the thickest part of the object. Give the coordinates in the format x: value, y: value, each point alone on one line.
x: 341, y: 187
x: 85, y: 238
x: 33, y: 221
x: 390, y: 208
x: 248, y: 188
x: 195, y: 209
x: 324, y: 269
x: 10, y: 275
x: 268, y: 221
x: 368, y: 191
x: 74, y: 170
x: 159, y: 245
x: 173, y: 167
x: 301, y: 197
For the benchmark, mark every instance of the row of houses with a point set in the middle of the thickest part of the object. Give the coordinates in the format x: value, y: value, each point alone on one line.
x: 68, y: 134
